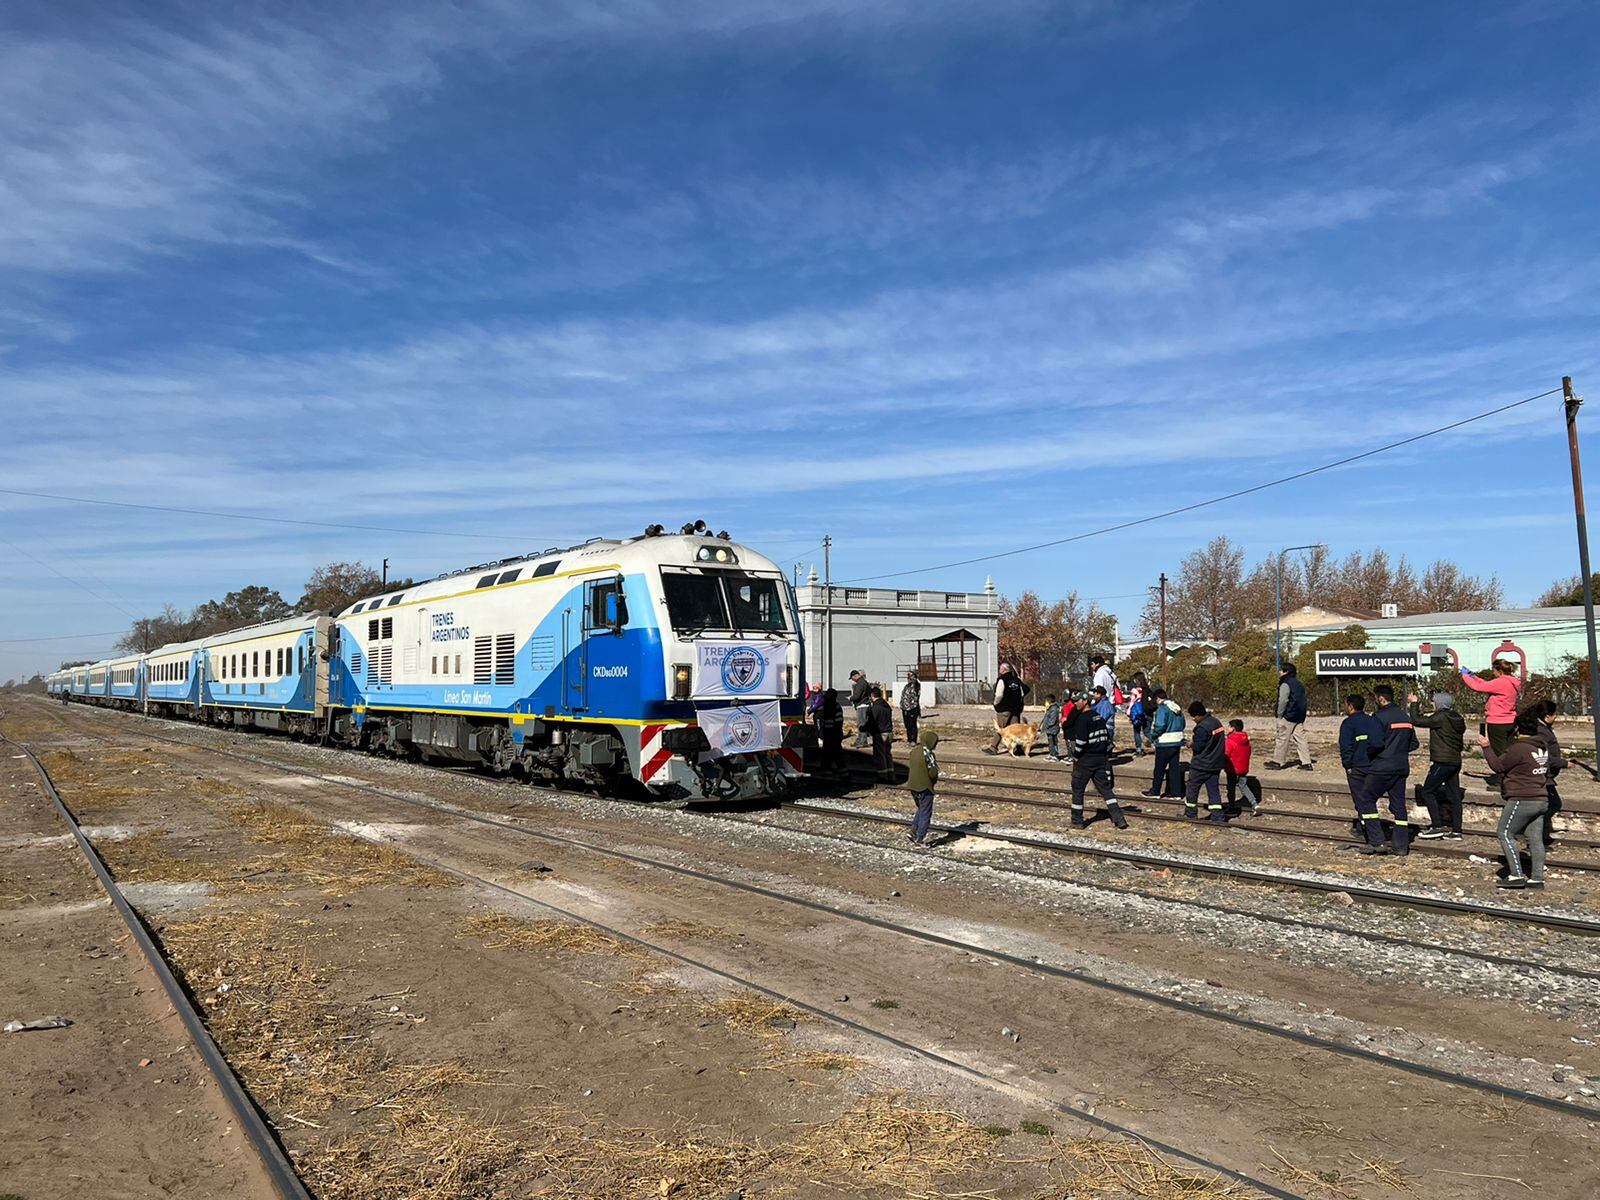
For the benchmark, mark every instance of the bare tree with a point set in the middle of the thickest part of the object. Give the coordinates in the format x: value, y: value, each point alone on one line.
x: 1033, y: 632
x: 336, y: 584
x: 1208, y: 599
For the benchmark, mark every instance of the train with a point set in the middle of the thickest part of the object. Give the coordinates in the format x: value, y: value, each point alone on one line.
x: 666, y: 663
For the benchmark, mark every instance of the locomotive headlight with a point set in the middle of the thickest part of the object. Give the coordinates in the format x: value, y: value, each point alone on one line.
x: 716, y: 554
x: 680, y: 681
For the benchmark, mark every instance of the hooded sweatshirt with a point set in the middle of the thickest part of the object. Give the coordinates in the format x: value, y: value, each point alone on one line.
x: 1237, y: 748
x: 1449, y: 728
x: 923, y: 766
x: 1166, y: 728
x: 1502, y: 691
x: 1525, y: 768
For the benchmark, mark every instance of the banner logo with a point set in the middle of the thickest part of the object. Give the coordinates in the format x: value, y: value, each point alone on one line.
x: 743, y: 669
x: 741, y: 732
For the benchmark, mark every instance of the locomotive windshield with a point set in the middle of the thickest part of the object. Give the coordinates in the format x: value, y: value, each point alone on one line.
x: 723, y: 601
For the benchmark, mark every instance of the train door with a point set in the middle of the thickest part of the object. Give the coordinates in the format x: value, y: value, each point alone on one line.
x: 575, y: 651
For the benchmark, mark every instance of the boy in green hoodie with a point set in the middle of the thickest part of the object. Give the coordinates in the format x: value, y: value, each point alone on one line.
x: 923, y: 774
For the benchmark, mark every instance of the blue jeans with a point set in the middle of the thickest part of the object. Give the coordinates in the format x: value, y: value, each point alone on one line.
x: 923, y: 817
x: 1053, y: 740
x: 1138, y: 735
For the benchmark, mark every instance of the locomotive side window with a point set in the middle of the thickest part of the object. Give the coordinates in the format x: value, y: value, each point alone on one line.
x: 755, y: 604
x: 607, y: 607
x: 695, y: 601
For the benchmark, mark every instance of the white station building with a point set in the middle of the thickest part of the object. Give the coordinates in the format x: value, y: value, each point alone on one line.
x: 951, y: 639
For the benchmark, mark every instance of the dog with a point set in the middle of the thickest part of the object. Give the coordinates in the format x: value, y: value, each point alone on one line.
x: 1018, y: 739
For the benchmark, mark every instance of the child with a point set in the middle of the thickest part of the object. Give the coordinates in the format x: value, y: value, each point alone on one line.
x: 880, y: 728
x: 1524, y: 769
x: 922, y: 775
x: 1069, y: 709
x: 1051, y: 726
x: 1236, y: 766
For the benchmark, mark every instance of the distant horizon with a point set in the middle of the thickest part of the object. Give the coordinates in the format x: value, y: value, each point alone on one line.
x: 940, y: 282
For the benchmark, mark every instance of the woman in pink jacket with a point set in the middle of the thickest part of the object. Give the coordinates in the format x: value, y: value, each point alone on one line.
x: 1500, y: 715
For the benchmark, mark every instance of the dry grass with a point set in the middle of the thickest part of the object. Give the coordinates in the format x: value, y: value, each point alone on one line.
x: 827, y: 1060
x: 269, y: 1008
x: 752, y: 1013
x: 431, y: 1153
x: 502, y: 932
x: 650, y: 985
x: 685, y: 930
x: 882, y: 1141
x: 330, y: 858
x: 567, y: 1160
x: 1321, y: 1183
x: 1205, y: 1082
x: 1092, y: 1167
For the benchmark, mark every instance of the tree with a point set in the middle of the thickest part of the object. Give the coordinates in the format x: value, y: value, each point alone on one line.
x: 336, y: 584
x: 1445, y: 587
x: 1566, y: 592
x: 147, y: 633
x: 1207, y: 600
x: 1032, y: 632
x: 248, y: 606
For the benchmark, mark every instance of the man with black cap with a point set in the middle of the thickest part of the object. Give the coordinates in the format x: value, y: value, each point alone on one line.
x: 1441, y: 790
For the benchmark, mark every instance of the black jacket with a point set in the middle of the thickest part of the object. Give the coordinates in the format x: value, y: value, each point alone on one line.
x: 860, y: 692
x: 830, y: 723
x: 1294, y: 704
x: 1016, y: 692
x: 1210, y: 745
x: 1391, y: 752
x: 880, y: 720
x: 1091, y: 739
x: 1448, y: 733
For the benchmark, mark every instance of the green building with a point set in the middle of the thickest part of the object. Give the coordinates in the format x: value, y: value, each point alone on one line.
x: 1547, y: 640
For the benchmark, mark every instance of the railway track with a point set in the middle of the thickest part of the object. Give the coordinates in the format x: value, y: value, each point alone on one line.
x: 1403, y: 899
x: 1070, y: 974
x: 280, y: 1173
x: 1247, y: 824
x: 1270, y: 782
x: 1141, y: 858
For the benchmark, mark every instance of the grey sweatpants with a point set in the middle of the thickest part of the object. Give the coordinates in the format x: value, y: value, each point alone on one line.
x: 1515, y: 820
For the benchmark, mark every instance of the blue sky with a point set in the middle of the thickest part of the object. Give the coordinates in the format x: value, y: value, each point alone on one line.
x: 936, y: 278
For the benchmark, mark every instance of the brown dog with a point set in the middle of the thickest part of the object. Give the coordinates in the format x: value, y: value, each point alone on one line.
x: 1019, y: 739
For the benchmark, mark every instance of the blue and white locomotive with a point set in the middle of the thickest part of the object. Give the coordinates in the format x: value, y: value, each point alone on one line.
x: 672, y: 661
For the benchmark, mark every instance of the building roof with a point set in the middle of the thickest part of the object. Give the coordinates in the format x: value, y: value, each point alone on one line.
x: 1488, y: 616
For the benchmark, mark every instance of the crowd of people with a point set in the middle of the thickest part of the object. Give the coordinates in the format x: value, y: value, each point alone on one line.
x: 1215, y: 783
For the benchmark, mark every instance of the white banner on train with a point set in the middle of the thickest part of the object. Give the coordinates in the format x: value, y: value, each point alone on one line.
x: 739, y: 670
x: 742, y: 729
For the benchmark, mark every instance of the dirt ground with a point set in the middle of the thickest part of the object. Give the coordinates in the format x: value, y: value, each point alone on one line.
x: 118, y: 1104
x: 413, y: 1035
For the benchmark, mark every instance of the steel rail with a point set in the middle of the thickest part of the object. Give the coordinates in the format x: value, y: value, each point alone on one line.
x: 1208, y: 905
x: 1425, y: 1070
x: 1486, y: 799
x: 1404, y: 899
x: 280, y: 1172
x: 1274, y: 813
x: 1138, y: 803
x: 955, y: 1066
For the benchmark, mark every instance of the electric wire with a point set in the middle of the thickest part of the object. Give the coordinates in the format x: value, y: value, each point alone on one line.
x: 1199, y: 504
x: 231, y: 516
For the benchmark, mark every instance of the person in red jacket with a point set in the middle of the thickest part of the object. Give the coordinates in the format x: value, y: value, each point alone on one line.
x: 1500, y: 714
x: 1236, y: 765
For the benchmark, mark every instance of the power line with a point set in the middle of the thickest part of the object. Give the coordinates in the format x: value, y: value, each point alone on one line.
x: 77, y: 583
x: 1198, y: 504
x: 230, y: 516
x: 62, y: 637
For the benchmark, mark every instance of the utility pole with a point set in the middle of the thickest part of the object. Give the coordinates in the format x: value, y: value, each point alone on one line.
x: 1572, y: 402
x: 1277, y: 603
x: 385, y: 586
x: 1161, y: 631
x: 827, y: 612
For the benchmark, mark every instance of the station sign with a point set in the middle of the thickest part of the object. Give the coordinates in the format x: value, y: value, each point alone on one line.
x: 1368, y: 662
